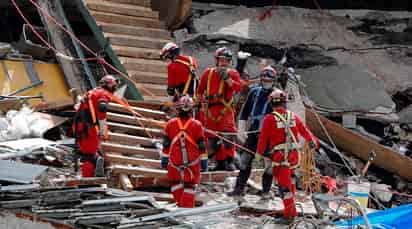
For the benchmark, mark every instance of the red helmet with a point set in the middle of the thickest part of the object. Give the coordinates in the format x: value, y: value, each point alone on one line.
x: 109, y: 82
x: 277, y: 96
x: 184, y: 103
x: 169, y: 50
x: 223, y: 52
x: 269, y: 73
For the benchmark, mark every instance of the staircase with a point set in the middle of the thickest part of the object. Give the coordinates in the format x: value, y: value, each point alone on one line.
x: 136, y: 35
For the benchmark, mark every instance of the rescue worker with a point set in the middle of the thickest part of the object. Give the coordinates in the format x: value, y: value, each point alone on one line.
x: 253, y: 111
x: 184, y: 153
x: 181, y: 72
x: 90, y: 123
x: 218, y: 85
x: 279, y: 132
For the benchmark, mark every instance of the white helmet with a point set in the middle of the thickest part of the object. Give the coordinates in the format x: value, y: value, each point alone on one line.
x: 169, y: 50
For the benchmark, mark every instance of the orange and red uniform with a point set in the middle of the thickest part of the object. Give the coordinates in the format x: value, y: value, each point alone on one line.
x: 86, y: 126
x: 273, y: 136
x: 185, y: 149
x: 180, y: 75
x: 219, y: 115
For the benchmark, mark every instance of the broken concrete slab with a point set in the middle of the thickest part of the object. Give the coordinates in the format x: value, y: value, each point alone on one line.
x: 348, y: 88
x: 20, y: 173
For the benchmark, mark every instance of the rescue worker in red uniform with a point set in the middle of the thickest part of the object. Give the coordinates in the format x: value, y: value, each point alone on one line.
x: 184, y: 153
x: 181, y: 72
x: 278, y: 141
x: 218, y: 85
x: 90, y: 123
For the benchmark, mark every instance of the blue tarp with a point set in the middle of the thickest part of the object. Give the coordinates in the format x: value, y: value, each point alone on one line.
x: 393, y: 218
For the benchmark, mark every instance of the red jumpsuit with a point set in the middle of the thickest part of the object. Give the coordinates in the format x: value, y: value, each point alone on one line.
x: 86, y: 127
x: 273, y: 135
x: 179, y: 74
x: 219, y: 115
x: 184, y: 135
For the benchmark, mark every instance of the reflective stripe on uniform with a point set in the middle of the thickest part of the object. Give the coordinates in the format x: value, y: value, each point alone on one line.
x: 227, y: 104
x: 176, y: 187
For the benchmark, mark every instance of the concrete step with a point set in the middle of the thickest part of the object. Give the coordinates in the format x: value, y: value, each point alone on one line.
x: 134, y: 41
x: 143, y: 65
x: 126, y: 20
x: 120, y: 8
x: 134, y: 30
x: 148, y: 77
x: 144, y: 3
x: 152, y: 89
x: 127, y: 51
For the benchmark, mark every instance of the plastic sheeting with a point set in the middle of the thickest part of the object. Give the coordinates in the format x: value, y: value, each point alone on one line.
x: 394, y: 218
x: 26, y: 124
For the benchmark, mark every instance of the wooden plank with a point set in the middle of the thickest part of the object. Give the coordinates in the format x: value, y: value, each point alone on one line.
x: 134, y: 130
x: 126, y: 20
x: 148, y: 77
x: 129, y: 119
x: 361, y: 146
x: 157, y: 99
x: 128, y: 51
x: 144, y: 3
x: 59, y: 105
x: 121, y: 169
x: 131, y: 91
x: 155, y: 114
x: 144, y: 65
x: 130, y: 150
x: 216, y: 176
x: 126, y: 139
x: 134, y: 41
x: 118, y: 159
x: 154, y: 89
x: 121, y: 8
x: 125, y: 183
x: 148, y: 105
x: 134, y: 30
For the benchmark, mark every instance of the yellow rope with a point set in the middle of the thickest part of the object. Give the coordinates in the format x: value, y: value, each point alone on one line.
x: 310, y: 182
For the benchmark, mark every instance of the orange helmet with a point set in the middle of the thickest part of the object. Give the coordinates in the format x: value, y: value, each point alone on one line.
x: 169, y: 50
x: 277, y: 96
x: 109, y: 82
x: 184, y: 103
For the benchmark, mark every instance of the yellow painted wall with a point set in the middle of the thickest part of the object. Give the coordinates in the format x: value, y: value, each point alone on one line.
x: 54, y: 87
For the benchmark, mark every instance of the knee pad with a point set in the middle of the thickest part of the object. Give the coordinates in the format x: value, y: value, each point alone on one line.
x: 213, y: 144
x: 284, y: 192
x: 227, y: 144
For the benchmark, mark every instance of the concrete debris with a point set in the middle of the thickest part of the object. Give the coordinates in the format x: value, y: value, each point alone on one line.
x: 366, y: 92
x: 19, y: 173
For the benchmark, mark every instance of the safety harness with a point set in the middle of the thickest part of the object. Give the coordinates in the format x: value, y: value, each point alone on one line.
x: 290, y: 141
x: 258, y: 117
x: 192, y: 74
x: 227, y: 104
x: 87, y: 117
x: 182, y: 137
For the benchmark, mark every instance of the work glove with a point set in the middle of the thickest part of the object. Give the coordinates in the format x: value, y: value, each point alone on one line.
x: 241, y: 131
x: 164, y: 161
x: 258, y: 157
x: 203, y: 164
x: 223, y: 73
x: 243, y: 55
x: 312, y: 145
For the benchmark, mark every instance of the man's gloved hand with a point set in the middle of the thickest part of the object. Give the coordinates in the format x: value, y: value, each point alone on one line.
x: 223, y: 73
x: 312, y: 145
x: 164, y: 161
x: 203, y: 164
x: 241, y: 131
x: 258, y: 157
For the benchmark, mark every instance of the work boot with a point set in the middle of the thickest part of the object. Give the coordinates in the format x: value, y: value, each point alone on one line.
x: 238, y: 191
x: 283, y: 221
x: 229, y: 165
x: 220, y: 166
